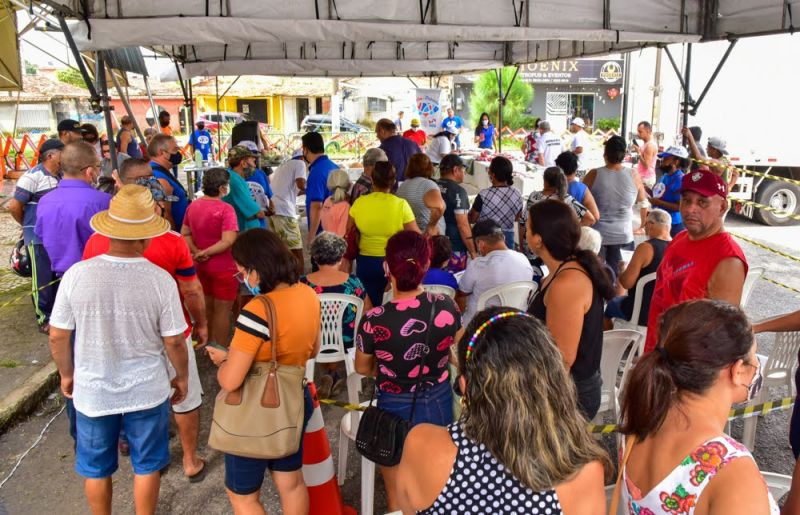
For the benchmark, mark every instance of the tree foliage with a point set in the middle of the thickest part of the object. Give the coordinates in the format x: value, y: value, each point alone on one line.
x: 71, y: 76
x: 485, y: 95
x: 30, y: 68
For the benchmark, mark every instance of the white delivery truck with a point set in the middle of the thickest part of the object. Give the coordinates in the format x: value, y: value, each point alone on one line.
x: 752, y: 104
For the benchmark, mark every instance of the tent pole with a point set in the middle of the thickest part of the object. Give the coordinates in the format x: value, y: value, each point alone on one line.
x: 100, y: 76
x: 500, y: 102
x: 219, y: 118
x: 626, y: 79
x: 687, y: 99
x: 81, y: 65
x: 153, y: 107
x: 713, y: 77
x: 191, y: 114
x: 125, y: 103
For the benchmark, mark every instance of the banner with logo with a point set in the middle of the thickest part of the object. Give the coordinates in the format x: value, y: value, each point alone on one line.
x: 574, y: 71
x: 429, y: 109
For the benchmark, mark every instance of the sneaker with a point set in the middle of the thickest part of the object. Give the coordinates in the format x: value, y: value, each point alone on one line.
x: 324, y: 386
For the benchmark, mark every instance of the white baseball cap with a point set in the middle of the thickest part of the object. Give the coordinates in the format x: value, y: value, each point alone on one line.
x: 718, y: 143
x: 579, y: 122
x: 676, y: 151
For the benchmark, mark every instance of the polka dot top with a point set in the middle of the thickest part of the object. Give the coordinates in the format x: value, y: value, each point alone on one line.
x: 480, y: 484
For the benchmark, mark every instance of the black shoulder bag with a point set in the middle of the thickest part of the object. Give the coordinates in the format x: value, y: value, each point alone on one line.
x: 381, y: 434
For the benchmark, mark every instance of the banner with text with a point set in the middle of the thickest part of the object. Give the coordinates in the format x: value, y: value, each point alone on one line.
x: 429, y: 108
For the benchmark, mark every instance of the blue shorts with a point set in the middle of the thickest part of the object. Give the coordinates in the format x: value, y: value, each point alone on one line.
x: 243, y: 476
x: 97, y: 456
x: 614, y: 308
x: 434, y: 405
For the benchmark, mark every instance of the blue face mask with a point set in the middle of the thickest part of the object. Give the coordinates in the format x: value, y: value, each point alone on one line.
x: 255, y: 290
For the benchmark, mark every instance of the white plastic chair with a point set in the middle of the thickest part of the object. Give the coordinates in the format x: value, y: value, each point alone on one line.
x: 778, y: 370
x: 332, y: 311
x: 516, y: 294
x: 348, y: 429
x: 638, y: 296
x: 753, y: 275
x: 615, y: 343
x: 440, y: 288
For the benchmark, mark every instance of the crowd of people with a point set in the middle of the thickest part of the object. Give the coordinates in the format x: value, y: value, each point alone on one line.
x: 134, y: 276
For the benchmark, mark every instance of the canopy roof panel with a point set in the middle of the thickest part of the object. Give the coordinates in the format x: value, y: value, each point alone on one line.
x: 393, y: 37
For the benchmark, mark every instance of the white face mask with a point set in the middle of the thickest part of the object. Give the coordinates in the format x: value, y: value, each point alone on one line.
x: 485, y: 123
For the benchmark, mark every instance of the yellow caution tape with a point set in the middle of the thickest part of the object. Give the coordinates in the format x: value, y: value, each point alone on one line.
x: 738, y: 413
x: 12, y: 301
x: 714, y: 164
x: 765, y: 247
x: 776, y: 283
x: 766, y: 208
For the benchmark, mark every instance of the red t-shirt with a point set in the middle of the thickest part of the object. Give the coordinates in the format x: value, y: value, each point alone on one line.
x: 168, y: 251
x: 207, y: 219
x: 418, y: 136
x: 684, y: 274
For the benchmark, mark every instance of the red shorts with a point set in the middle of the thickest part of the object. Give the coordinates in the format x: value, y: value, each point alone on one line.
x: 220, y: 285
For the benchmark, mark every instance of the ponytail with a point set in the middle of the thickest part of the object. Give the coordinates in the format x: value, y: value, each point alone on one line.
x: 648, y: 395
x: 598, y: 273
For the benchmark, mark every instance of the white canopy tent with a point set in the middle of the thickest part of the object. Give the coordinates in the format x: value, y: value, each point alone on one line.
x: 389, y: 37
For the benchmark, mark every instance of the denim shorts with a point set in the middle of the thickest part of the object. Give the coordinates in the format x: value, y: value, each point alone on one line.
x: 243, y: 476
x: 147, y: 433
x: 434, y: 405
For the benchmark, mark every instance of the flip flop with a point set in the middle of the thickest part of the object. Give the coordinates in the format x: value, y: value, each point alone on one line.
x: 200, y: 475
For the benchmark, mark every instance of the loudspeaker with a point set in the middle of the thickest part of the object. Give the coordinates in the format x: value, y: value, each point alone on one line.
x: 245, y: 131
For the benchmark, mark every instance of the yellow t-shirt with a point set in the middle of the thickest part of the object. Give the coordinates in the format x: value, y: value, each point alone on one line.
x: 298, y: 312
x: 379, y: 216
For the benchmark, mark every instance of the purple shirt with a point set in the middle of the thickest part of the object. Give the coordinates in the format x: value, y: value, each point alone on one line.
x: 62, y: 221
x: 399, y: 150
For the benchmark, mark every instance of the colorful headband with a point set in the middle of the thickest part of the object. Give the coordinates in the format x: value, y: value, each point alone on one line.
x: 483, y: 326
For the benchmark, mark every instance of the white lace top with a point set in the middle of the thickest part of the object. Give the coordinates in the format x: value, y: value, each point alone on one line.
x: 119, y: 308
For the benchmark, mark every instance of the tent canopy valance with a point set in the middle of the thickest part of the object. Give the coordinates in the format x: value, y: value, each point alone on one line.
x: 392, y: 37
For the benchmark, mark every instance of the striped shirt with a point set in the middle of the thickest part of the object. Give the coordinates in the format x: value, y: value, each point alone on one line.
x: 414, y: 191
x: 31, y: 187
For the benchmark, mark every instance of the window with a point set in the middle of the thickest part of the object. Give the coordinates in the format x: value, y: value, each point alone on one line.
x: 376, y: 105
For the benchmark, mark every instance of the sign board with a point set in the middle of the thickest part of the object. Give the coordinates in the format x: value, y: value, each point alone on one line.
x: 574, y: 71
x: 429, y: 107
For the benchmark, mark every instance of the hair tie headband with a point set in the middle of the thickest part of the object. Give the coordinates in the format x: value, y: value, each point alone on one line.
x: 481, y: 328
x: 411, y: 260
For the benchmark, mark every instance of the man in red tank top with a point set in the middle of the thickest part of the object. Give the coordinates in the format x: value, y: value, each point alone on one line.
x: 703, y: 261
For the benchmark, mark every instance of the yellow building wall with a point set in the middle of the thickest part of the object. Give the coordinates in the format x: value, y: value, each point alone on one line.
x: 208, y: 104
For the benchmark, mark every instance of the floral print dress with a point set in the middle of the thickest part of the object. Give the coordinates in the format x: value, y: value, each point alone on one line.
x: 680, y: 491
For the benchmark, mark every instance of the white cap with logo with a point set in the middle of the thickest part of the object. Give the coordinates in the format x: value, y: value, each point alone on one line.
x: 579, y: 122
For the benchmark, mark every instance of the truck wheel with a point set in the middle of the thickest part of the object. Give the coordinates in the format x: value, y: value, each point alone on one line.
x: 779, y: 195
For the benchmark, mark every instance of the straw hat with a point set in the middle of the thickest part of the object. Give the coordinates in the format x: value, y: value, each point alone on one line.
x: 130, y: 216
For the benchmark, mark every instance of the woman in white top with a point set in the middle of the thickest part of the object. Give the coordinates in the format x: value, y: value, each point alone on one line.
x: 441, y: 145
x: 674, y: 410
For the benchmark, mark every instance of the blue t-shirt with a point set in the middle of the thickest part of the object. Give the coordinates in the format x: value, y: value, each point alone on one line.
x: 317, y: 183
x: 439, y: 276
x: 454, y: 122
x: 488, y: 136
x: 399, y: 150
x: 577, y: 189
x: 202, y: 142
x: 668, y: 189
x: 177, y: 207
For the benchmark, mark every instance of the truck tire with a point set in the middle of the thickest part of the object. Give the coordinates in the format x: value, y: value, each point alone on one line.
x: 780, y: 195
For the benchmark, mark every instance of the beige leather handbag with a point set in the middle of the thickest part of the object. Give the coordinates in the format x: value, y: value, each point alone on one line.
x: 263, y: 418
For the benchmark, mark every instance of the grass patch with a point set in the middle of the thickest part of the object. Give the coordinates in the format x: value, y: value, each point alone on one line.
x: 9, y: 363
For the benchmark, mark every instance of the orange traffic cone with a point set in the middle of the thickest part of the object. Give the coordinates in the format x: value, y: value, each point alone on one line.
x: 318, y: 471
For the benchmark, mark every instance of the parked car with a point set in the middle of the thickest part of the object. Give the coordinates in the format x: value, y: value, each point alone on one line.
x: 322, y: 123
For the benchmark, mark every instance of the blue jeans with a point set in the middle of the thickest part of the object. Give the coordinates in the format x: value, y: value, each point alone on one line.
x: 434, y: 405
x: 612, y: 254
x: 370, y: 270
x: 509, y: 238
x: 614, y: 308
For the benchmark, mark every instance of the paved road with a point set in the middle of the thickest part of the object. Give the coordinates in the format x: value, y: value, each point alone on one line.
x: 45, y: 482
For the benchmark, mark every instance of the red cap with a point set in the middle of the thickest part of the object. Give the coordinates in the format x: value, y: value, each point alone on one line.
x: 705, y: 183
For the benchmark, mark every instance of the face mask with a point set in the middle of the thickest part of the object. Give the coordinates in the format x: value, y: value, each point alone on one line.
x: 176, y: 158
x: 255, y: 290
x: 248, y: 171
x: 754, y: 388
x: 485, y: 123
x: 665, y: 169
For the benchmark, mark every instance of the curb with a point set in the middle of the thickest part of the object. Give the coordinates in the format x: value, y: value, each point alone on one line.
x: 27, y: 396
